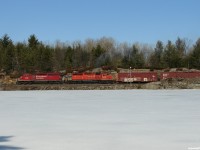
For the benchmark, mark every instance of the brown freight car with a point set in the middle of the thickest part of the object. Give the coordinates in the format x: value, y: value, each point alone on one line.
x: 179, y: 75
x: 140, y: 77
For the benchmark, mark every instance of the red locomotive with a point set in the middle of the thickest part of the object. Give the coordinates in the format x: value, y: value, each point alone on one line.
x: 40, y: 78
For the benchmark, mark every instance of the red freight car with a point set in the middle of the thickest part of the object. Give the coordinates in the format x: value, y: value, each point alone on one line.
x: 179, y: 75
x: 137, y: 77
x: 40, y: 78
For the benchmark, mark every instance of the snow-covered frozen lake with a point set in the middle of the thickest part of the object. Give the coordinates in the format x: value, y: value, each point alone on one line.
x: 100, y: 120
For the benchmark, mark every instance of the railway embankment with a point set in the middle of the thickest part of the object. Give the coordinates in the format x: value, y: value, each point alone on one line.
x: 165, y: 84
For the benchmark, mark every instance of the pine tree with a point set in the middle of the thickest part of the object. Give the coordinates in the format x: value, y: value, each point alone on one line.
x: 194, y: 59
x: 156, y: 59
x: 7, y: 54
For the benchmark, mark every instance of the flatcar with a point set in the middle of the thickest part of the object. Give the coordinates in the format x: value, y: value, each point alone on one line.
x: 40, y: 78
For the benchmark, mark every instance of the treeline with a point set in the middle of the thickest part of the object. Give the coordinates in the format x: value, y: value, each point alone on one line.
x: 36, y: 56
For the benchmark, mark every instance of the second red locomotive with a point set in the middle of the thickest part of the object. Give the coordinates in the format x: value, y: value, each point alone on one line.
x: 90, y: 78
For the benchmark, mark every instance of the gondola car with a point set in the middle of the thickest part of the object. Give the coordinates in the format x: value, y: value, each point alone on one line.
x: 179, y: 75
x: 139, y: 77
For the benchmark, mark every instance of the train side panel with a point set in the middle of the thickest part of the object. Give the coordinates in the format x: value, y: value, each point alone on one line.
x: 92, y: 78
x: 54, y: 77
x: 26, y: 79
x: 179, y: 75
x: 48, y: 77
x: 83, y: 78
x: 137, y: 77
x: 40, y: 78
x: 89, y: 76
x: 107, y: 78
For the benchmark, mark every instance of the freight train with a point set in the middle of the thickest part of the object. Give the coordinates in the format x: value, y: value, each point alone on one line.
x: 104, y: 78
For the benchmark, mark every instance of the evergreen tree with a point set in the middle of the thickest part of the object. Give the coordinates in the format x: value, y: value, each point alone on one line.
x: 34, y: 54
x: 181, y: 47
x: 7, y: 54
x: 171, y: 56
x: 156, y: 59
x: 69, y: 57
x: 194, y: 59
x: 32, y: 41
x: 20, y: 54
x: 98, y: 56
x: 137, y: 58
x: 126, y: 62
x: 181, y: 52
x: 46, y: 59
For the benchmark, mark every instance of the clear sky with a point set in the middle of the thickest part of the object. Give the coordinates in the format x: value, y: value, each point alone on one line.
x: 144, y: 21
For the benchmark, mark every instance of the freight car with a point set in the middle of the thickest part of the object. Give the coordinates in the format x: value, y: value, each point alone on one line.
x: 179, y: 75
x: 40, y: 78
x: 139, y: 77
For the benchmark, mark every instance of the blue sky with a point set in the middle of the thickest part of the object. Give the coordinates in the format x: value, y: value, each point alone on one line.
x: 144, y: 21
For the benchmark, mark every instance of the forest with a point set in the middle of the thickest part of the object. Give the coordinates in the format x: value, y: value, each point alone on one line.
x: 35, y: 56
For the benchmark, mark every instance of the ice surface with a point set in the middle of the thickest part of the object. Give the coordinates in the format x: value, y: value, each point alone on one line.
x: 100, y: 120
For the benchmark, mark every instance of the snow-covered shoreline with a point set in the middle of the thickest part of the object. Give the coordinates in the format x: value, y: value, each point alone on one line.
x: 96, y: 120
